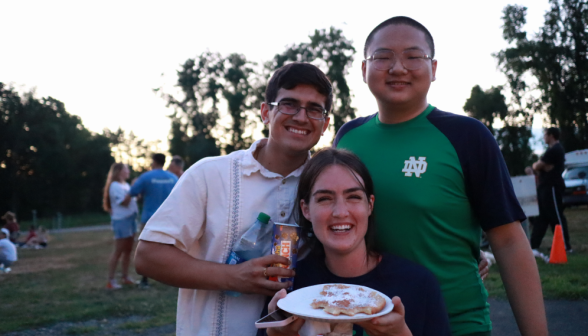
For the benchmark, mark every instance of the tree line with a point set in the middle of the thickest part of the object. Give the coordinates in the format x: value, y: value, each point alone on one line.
x: 50, y: 162
x: 212, y: 86
x: 547, y: 75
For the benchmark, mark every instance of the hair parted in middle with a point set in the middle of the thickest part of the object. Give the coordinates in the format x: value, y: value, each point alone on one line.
x: 317, y: 164
x: 291, y: 75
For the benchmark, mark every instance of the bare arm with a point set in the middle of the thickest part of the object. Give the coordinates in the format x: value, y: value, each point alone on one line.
x: 520, y: 276
x: 172, y: 266
x: 540, y: 165
x: 126, y: 201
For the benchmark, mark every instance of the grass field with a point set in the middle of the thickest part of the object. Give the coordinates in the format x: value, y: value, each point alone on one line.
x: 65, y: 282
x: 560, y: 281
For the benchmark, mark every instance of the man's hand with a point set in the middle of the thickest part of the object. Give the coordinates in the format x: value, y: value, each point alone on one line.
x: 483, y: 266
x: 391, y: 324
x: 250, y: 277
x: 542, y: 166
x: 288, y: 330
x: 174, y: 267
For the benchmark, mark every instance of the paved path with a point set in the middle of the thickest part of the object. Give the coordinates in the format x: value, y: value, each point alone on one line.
x: 82, y: 229
x: 565, y: 318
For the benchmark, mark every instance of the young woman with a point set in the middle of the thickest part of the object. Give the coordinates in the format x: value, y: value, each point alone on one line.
x: 123, y: 215
x: 336, y: 201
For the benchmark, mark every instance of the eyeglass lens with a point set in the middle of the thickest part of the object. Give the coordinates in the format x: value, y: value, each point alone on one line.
x: 291, y: 108
x: 410, y: 59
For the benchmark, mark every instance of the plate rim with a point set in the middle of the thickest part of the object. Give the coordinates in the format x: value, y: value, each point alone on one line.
x: 342, y: 318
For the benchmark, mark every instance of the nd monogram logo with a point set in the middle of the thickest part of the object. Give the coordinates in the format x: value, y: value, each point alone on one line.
x: 412, y: 166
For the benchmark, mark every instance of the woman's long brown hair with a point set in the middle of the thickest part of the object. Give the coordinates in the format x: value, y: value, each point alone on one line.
x: 113, y: 175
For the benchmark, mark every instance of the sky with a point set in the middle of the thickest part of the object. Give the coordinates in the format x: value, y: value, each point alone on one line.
x: 104, y: 58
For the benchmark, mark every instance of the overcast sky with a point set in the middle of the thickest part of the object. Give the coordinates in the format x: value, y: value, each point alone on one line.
x: 103, y: 58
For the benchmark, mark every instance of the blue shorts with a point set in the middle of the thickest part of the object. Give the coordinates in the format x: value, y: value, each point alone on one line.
x: 125, y: 227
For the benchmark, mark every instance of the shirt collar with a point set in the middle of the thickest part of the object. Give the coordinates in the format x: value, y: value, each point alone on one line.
x: 250, y: 165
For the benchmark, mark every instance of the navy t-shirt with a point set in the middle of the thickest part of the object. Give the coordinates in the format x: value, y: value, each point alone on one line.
x: 416, y: 286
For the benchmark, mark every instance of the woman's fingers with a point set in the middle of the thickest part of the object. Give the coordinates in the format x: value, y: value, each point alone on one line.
x: 273, y: 305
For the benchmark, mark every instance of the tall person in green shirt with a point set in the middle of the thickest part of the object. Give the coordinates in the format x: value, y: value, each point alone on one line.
x: 440, y: 179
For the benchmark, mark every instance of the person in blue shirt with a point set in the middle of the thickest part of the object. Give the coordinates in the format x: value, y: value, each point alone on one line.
x: 154, y: 185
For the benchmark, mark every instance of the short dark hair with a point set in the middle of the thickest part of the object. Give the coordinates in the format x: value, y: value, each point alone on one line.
x: 400, y: 20
x: 554, y: 132
x: 178, y: 161
x: 317, y: 164
x: 291, y: 75
x: 158, y: 158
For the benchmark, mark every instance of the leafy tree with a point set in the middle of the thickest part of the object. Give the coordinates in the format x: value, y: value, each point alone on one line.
x: 486, y: 106
x: 196, y: 113
x: 490, y: 106
x: 333, y: 51
x: 237, y: 92
x: 48, y: 160
x: 554, y: 63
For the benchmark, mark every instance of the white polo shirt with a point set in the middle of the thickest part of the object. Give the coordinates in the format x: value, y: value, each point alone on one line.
x: 211, y: 206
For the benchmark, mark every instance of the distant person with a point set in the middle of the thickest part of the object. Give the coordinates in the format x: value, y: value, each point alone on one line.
x: 32, y: 234
x: 154, y: 186
x: 12, y: 226
x: 549, y: 191
x: 7, y: 251
x: 40, y: 240
x: 176, y: 166
x: 123, y: 213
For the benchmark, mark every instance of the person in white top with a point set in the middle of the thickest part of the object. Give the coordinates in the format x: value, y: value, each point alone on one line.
x: 123, y: 213
x: 187, y: 241
x: 7, y: 250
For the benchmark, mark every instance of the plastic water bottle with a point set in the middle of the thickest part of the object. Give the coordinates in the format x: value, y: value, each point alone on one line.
x: 254, y: 243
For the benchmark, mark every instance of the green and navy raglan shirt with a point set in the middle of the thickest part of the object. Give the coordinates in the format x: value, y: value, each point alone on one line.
x: 439, y: 180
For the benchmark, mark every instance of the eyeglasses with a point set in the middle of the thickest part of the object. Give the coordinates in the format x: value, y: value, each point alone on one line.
x: 410, y: 59
x: 289, y: 107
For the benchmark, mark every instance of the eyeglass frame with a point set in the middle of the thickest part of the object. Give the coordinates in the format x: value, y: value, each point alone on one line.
x: 277, y: 104
x: 371, y: 58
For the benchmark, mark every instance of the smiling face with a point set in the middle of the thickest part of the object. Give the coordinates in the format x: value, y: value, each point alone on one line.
x: 293, y: 134
x: 339, y: 209
x: 398, y: 86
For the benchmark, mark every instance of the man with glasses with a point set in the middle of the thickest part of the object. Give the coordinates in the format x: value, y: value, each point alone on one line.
x: 187, y: 241
x: 442, y: 179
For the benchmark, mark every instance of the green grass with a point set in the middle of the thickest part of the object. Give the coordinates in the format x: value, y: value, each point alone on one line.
x: 69, y: 221
x: 66, y: 282
x: 559, y: 281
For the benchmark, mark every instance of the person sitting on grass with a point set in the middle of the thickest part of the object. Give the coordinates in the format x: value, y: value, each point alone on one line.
x: 32, y: 234
x: 7, y: 251
x: 12, y: 226
x: 335, y: 201
x: 39, y: 240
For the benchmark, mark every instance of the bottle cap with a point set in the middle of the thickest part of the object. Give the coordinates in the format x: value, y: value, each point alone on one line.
x: 263, y: 217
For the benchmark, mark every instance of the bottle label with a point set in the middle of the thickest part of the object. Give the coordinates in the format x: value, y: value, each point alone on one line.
x: 234, y: 259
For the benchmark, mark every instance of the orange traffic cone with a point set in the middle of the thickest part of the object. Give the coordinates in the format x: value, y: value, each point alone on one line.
x: 558, y: 249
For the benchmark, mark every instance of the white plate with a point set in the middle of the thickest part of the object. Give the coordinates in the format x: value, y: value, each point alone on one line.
x: 298, y: 303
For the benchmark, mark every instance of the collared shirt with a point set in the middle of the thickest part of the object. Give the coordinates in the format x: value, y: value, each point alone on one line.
x: 213, y: 204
